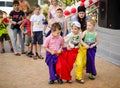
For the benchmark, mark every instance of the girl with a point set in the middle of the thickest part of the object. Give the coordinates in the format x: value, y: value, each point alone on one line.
x: 53, y: 45
x: 67, y: 57
x: 90, y: 40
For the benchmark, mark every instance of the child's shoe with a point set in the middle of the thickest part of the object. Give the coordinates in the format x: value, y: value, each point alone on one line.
x: 80, y: 81
x: 60, y: 81
x: 51, y: 82
x: 92, y: 77
x: 69, y: 81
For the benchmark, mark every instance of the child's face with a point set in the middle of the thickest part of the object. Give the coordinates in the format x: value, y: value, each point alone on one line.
x: 81, y: 14
x: 59, y: 13
x: 37, y: 10
x: 90, y: 26
x: 56, y: 33
x: 75, y: 30
x: 16, y: 7
x: 54, y: 2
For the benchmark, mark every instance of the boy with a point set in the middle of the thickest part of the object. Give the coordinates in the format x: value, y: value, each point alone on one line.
x: 53, y: 45
x: 17, y: 16
x: 37, y: 30
x: 27, y: 24
x: 61, y: 20
x: 4, y: 32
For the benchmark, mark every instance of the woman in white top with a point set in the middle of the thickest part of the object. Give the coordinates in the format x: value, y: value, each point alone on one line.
x: 52, y: 9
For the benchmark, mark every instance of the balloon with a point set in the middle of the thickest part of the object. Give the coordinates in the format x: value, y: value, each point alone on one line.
x: 82, y: 0
x: 97, y: 3
x: 73, y: 10
x: 90, y: 1
x: 82, y: 4
x: 66, y: 12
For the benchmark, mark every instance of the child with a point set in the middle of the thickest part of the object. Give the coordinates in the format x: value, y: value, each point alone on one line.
x: 4, y: 33
x: 90, y: 40
x: 27, y: 24
x: 67, y: 57
x: 17, y: 16
x: 37, y: 30
x: 53, y: 45
x: 60, y: 18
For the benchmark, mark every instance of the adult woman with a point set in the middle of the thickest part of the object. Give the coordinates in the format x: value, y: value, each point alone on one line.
x: 81, y: 17
x: 52, y: 9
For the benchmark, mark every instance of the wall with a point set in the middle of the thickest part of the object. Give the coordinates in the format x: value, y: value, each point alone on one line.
x: 109, y: 45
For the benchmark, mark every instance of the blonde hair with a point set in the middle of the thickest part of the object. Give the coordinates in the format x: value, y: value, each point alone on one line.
x: 93, y: 22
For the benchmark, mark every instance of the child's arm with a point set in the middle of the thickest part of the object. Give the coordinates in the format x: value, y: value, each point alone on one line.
x: 65, y: 28
x: 95, y: 44
x: 44, y: 29
x: 81, y: 40
x: 31, y: 29
x: 48, y: 50
x: 22, y: 27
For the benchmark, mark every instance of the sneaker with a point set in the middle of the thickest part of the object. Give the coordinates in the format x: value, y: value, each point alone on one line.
x: 80, y: 81
x: 3, y: 50
x: 60, y: 81
x: 92, y: 77
x: 69, y: 81
x: 51, y: 82
x: 17, y: 54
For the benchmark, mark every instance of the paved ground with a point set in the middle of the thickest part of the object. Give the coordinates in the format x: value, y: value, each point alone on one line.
x: 24, y: 72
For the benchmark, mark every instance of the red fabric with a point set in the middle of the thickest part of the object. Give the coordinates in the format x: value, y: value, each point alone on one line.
x: 6, y: 20
x: 65, y: 63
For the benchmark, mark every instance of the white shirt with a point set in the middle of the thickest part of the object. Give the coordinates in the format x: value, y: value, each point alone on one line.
x: 72, y: 40
x: 52, y: 11
x: 37, y: 22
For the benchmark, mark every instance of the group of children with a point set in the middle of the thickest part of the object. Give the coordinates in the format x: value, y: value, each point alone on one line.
x: 62, y: 49
x: 76, y: 47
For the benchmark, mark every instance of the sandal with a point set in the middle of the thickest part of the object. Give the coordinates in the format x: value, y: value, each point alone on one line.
x: 40, y: 57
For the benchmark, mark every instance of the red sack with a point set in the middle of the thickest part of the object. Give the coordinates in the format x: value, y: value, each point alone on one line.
x: 65, y: 63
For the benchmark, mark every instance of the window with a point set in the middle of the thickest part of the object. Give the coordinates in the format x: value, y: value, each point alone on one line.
x: 2, y: 3
x: 9, y: 4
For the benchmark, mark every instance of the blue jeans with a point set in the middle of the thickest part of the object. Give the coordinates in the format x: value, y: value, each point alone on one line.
x: 15, y: 31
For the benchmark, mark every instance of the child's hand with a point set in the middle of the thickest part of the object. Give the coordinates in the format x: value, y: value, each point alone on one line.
x: 19, y: 22
x: 68, y: 48
x: 92, y: 46
x: 52, y: 52
x: 14, y: 23
x: 25, y: 32
x: 87, y: 46
x: 59, y: 51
